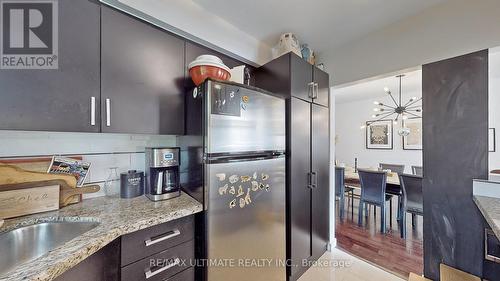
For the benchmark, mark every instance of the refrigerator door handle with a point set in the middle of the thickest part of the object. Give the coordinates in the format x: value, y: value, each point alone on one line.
x: 309, y: 180
x: 310, y: 90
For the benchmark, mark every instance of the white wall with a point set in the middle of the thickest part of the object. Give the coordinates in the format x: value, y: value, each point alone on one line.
x: 189, y: 17
x: 350, y: 138
x: 494, y: 104
x: 450, y: 29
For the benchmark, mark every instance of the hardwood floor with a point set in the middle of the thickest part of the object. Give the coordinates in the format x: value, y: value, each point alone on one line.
x: 388, y: 250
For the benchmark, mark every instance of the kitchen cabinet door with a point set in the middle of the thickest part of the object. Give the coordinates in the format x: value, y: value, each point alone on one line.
x: 58, y: 99
x: 103, y: 265
x: 299, y: 205
x: 323, y: 87
x: 301, y: 78
x: 320, y: 169
x: 142, y: 77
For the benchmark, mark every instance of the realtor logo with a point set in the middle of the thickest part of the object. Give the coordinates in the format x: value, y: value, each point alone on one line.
x: 29, y: 32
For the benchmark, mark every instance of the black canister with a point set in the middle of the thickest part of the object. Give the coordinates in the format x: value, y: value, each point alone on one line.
x: 131, y: 184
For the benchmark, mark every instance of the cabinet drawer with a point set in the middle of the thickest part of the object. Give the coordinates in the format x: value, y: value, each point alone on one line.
x: 162, y: 265
x: 186, y: 275
x: 149, y: 241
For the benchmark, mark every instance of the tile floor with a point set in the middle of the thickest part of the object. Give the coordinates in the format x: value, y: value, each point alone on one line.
x: 340, y: 266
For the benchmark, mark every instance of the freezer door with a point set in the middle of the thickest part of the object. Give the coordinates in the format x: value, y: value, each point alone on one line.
x: 245, y: 220
x: 242, y: 120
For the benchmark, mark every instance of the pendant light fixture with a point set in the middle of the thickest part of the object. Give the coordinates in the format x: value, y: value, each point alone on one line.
x: 397, y: 110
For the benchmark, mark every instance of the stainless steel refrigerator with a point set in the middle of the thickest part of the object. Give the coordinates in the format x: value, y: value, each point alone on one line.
x: 235, y: 166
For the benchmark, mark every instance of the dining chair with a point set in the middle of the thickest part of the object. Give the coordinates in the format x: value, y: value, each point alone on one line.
x: 341, y: 189
x: 396, y: 168
x: 373, y: 185
x: 417, y: 170
x: 412, y: 199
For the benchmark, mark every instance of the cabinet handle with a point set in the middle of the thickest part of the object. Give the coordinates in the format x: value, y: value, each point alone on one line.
x: 314, y: 179
x: 309, y: 181
x: 92, y: 111
x: 487, y: 256
x: 108, y: 112
x: 315, y: 93
x: 150, y: 273
x: 310, y: 90
x: 158, y: 239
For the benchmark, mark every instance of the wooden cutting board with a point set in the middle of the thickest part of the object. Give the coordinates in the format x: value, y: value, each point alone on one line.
x: 38, y: 164
x: 10, y: 174
x: 28, y: 198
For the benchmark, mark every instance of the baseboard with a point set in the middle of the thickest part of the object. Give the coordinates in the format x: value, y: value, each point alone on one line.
x: 331, y: 245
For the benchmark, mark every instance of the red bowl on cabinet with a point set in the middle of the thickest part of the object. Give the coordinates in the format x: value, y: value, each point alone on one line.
x: 201, y: 72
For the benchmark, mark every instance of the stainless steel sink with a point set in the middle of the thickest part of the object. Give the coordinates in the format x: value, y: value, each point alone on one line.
x: 29, y: 242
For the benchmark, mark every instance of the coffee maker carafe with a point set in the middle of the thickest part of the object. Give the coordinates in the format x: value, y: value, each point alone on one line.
x: 162, y: 173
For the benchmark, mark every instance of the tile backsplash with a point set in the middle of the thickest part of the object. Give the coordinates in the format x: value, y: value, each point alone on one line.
x: 104, y: 151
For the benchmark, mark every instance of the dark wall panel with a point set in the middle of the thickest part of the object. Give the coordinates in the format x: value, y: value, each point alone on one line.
x: 455, y: 124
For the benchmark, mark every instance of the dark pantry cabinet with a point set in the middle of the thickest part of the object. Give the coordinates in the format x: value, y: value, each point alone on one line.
x: 59, y: 99
x: 142, y: 80
x: 307, y: 155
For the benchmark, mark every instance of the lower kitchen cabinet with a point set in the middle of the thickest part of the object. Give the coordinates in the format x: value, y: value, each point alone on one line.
x: 308, y: 183
x: 158, y: 253
x: 320, y: 159
x: 103, y: 265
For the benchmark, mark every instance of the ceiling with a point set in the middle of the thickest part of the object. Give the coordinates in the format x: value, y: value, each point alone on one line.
x: 411, y: 85
x: 323, y: 24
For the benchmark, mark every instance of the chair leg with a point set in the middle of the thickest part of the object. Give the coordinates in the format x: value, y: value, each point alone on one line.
x: 341, y: 207
x: 367, y: 209
x: 390, y: 212
x: 402, y: 223
x: 360, y: 213
x: 352, y: 204
x: 399, y: 208
x: 413, y: 220
x: 382, y: 218
x: 374, y: 212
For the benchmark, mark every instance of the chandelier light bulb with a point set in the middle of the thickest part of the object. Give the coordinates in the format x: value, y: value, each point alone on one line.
x: 376, y: 103
x: 362, y: 127
x: 386, y: 89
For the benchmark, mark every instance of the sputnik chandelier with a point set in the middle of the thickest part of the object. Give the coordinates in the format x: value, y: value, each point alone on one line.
x: 399, y: 110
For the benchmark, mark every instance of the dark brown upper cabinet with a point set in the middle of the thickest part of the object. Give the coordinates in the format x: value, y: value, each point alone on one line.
x: 63, y: 99
x: 322, y: 81
x: 291, y: 76
x: 142, y: 79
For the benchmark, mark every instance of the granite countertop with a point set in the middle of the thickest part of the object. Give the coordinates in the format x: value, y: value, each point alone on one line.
x: 116, y: 216
x: 490, y: 208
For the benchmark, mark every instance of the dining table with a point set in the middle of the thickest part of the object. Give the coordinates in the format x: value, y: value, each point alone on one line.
x: 393, y: 186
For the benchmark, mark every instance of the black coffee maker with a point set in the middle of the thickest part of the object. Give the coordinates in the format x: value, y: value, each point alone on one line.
x: 162, y: 173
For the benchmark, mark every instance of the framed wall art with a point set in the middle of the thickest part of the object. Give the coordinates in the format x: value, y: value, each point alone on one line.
x: 379, y: 134
x: 413, y: 140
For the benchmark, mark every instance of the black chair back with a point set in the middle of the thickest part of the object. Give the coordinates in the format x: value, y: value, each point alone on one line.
x: 413, y: 197
x: 396, y: 168
x: 372, y: 186
x: 339, y: 181
x: 417, y: 170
